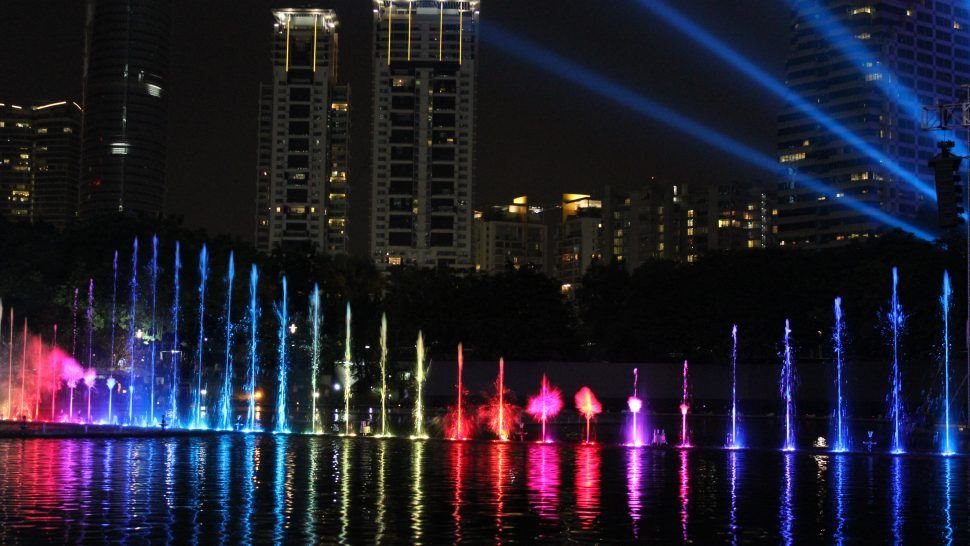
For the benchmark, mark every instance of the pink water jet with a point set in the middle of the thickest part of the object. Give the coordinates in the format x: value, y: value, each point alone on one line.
x: 684, y: 408
x: 588, y: 406
x: 635, y: 404
x: 457, y: 425
x: 545, y: 405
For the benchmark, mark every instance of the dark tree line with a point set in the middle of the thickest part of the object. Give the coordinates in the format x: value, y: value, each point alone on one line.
x: 662, y: 311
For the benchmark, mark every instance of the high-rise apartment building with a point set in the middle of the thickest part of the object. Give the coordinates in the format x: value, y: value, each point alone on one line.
x: 424, y: 132
x: 16, y: 150
x: 304, y: 123
x: 728, y: 216
x: 578, y: 236
x: 39, y: 162
x: 125, y: 107
x: 56, y: 162
x: 917, y: 52
x: 643, y: 224
x: 511, y: 236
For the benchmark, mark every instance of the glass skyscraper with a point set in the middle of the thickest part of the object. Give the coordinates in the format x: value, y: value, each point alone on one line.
x: 870, y: 66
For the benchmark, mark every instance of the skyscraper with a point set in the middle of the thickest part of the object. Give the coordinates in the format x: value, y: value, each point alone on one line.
x: 869, y: 65
x: 125, y: 107
x: 424, y: 132
x: 304, y: 126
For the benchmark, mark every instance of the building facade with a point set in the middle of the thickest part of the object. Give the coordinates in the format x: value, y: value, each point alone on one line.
x: 16, y: 151
x: 302, y: 183
x: 578, y: 237
x: 56, y: 163
x: 423, y: 137
x: 40, y: 162
x: 125, y: 107
x: 512, y: 236
x: 916, y: 51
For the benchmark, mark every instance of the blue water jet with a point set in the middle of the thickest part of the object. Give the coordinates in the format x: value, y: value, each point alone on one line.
x: 176, y: 352
x: 114, y: 307
x: 253, y: 358
x: 946, y: 304
x: 735, y: 440
x: 154, y: 332
x: 841, y: 443
x: 315, y: 358
x: 896, y: 322
x: 133, y: 299
x: 197, y: 421
x: 787, y: 387
x: 225, y: 400
x: 282, y: 424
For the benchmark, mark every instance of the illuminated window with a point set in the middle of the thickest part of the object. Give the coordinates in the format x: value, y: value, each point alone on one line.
x: 956, y: 25
x: 874, y: 76
x: 42, y: 131
x: 864, y: 9
x: 863, y: 36
x: 788, y: 158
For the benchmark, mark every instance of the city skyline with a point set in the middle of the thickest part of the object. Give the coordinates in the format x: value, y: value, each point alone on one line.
x: 544, y: 134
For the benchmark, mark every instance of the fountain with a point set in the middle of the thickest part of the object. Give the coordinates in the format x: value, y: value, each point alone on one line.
x: 315, y: 358
x: 225, y: 401
x: 545, y: 405
x: 282, y: 424
x: 459, y: 428
x: 896, y: 322
x: 154, y: 332
x: 419, y: 398
x: 734, y: 441
x: 133, y: 286
x: 74, y: 311
x: 111, y: 382
x: 497, y: 414
x: 176, y: 351
x: 197, y: 421
x: 114, y: 308
x: 348, y: 378
x: 588, y: 406
x: 89, y: 376
x: 89, y: 318
x: 503, y: 433
x: 945, y: 305
x: 841, y: 443
x: 635, y: 404
x: 23, y: 374
x: 253, y: 359
x: 787, y: 387
x: 55, y: 380
x: 684, y: 408
x: 384, y: 374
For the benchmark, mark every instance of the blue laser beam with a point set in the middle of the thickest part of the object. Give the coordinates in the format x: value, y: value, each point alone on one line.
x: 719, y: 48
x: 538, y: 56
x: 842, y: 39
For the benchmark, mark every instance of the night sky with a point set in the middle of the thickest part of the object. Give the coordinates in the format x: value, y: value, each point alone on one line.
x: 536, y: 134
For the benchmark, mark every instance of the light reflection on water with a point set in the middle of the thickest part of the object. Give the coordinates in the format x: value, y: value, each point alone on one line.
x: 261, y: 489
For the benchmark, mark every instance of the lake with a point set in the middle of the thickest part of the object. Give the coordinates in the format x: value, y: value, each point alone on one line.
x: 262, y: 488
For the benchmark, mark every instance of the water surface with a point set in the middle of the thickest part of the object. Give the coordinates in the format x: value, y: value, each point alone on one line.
x: 263, y: 488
